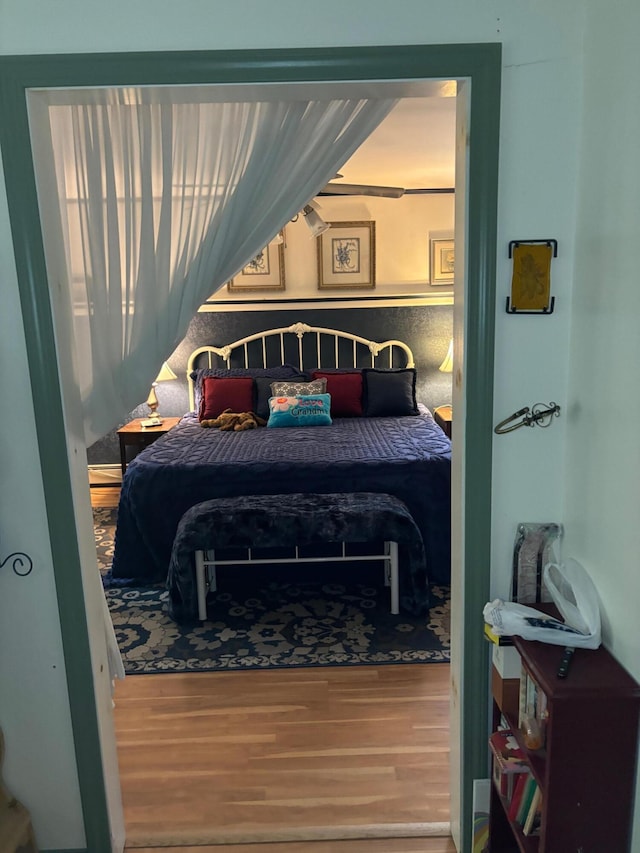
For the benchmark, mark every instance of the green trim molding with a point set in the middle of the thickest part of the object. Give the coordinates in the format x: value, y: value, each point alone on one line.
x: 481, y: 64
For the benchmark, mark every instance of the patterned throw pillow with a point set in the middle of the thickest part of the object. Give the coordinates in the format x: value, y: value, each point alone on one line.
x: 262, y: 391
x: 289, y: 388
x: 301, y: 410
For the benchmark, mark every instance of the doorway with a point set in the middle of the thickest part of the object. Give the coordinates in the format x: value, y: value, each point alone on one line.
x: 480, y: 65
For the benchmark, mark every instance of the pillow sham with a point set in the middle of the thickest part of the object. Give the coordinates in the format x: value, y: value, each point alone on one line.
x: 291, y: 388
x: 235, y: 393
x: 301, y: 410
x: 262, y: 392
x: 389, y: 393
x: 282, y: 371
x: 345, y: 387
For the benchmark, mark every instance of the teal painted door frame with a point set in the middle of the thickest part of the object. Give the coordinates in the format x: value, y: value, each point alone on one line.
x: 481, y: 65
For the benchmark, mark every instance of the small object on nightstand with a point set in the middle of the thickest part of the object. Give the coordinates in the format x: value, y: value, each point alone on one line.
x: 443, y: 416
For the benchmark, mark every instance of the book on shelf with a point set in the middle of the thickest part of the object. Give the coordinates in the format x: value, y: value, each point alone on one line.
x: 531, y: 697
x: 527, y: 796
x: 542, y: 711
x: 522, y: 703
x: 536, y: 700
x: 532, y: 708
x: 516, y: 798
x: 532, y: 821
x: 507, y: 753
x: 508, y: 761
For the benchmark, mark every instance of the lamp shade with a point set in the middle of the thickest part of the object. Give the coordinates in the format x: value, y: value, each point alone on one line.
x: 316, y: 223
x: 165, y: 373
x: 152, y: 400
x: 447, y: 364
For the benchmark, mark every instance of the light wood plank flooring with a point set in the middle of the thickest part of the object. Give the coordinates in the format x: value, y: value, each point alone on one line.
x: 339, y: 755
x: 336, y: 752
x: 107, y: 496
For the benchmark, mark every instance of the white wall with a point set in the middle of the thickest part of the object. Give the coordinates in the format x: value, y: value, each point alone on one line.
x: 39, y: 766
x: 603, y: 452
x: 539, y: 139
x: 402, y: 228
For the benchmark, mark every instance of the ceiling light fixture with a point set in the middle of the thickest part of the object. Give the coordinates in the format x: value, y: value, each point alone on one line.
x: 315, y: 222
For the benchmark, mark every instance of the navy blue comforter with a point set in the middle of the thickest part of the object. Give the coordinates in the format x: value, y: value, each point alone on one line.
x: 408, y: 457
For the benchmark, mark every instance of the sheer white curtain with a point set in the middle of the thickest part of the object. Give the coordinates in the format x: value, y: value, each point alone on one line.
x: 161, y: 204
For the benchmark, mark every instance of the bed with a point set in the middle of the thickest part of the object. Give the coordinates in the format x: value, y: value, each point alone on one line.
x: 407, y: 456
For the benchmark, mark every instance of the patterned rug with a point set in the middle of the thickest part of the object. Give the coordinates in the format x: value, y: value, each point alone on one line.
x: 264, y: 619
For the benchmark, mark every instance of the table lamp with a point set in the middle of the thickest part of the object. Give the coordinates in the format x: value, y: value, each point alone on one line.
x: 447, y: 364
x: 444, y: 414
x: 152, y: 400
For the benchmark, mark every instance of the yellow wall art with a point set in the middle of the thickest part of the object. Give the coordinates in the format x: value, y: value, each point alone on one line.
x: 531, y: 281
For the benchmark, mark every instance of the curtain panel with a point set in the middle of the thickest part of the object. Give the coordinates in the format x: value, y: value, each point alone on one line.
x: 160, y: 204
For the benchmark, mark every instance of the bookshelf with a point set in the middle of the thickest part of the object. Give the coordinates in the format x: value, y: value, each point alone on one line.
x: 586, y: 768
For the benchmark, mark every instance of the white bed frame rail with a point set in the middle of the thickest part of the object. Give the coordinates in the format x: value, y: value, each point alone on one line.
x: 299, y: 330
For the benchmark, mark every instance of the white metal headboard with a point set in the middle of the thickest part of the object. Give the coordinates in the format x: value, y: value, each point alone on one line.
x: 299, y: 330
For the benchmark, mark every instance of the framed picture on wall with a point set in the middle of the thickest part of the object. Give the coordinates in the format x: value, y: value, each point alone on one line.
x: 442, y: 260
x: 263, y: 273
x: 347, y: 256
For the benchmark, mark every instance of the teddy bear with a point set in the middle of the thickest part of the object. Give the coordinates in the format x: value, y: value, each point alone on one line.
x: 236, y: 421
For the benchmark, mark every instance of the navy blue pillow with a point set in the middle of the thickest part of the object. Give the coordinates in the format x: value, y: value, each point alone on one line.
x: 389, y: 393
x: 262, y: 386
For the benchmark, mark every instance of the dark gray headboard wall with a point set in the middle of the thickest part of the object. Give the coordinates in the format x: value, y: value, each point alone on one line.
x: 427, y: 330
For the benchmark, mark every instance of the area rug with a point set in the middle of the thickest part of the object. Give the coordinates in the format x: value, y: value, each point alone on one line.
x: 261, y: 619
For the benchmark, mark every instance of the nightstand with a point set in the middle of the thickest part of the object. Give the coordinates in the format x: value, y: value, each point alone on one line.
x: 443, y: 416
x: 135, y: 435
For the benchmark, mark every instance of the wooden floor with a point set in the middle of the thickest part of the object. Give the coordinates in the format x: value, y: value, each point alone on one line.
x: 107, y: 496
x: 336, y: 752
x: 317, y: 760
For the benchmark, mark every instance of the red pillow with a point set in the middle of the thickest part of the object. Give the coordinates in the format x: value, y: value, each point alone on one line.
x: 220, y: 394
x: 346, y: 392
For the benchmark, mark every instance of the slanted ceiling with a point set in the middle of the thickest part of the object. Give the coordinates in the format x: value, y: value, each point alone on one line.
x: 414, y: 147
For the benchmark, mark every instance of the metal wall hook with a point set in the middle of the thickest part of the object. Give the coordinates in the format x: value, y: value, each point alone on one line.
x: 529, y: 417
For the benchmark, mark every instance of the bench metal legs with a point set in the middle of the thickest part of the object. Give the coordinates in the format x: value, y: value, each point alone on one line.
x: 391, y: 575
x: 205, y: 580
x: 206, y: 571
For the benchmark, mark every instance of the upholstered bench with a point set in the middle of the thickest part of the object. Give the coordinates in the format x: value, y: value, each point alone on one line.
x: 255, y: 522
